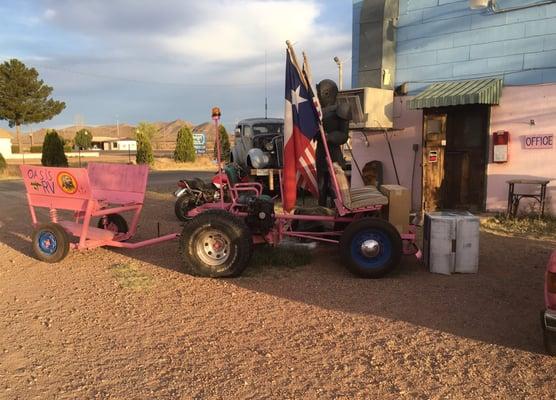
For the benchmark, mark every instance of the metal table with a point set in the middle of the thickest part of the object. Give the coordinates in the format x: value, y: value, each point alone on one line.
x: 514, y: 198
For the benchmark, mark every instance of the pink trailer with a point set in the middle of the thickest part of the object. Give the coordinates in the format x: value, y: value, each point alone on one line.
x: 93, y: 192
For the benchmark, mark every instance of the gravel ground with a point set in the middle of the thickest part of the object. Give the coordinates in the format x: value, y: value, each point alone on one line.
x: 127, y: 324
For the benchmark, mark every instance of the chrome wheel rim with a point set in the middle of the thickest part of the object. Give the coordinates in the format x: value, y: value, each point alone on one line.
x: 213, y: 247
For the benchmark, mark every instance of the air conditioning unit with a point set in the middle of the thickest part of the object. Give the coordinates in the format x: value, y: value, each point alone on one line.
x: 371, y: 108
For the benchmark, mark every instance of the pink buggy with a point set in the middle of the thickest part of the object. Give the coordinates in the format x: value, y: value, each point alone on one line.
x: 95, y: 191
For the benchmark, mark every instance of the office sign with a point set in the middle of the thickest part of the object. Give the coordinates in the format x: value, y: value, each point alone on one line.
x: 541, y: 141
x: 200, y: 143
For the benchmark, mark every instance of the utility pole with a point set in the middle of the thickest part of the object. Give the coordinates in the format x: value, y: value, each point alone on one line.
x: 340, y: 72
x: 265, y: 87
x: 117, y: 127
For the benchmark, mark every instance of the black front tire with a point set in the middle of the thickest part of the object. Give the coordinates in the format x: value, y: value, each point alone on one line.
x: 372, y: 247
x: 113, y: 222
x: 215, y: 244
x: 185, y: 203
x: 50, y: 243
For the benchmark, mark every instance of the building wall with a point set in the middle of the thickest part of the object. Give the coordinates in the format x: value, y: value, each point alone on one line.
x: 5, y: 147
x: 408, y: 124
x: 518, y: 106
x: 446, y: 40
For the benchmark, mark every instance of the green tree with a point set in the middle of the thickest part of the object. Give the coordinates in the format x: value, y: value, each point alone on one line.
x: 185, y: 150
x: 53, y: 150
x: 24, y: 98
x: 224, y: 144
x: 3, y: 164
x: 83, y: 139
x: 143, y: 135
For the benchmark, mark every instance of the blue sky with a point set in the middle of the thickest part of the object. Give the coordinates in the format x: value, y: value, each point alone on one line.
x: 161, y: 60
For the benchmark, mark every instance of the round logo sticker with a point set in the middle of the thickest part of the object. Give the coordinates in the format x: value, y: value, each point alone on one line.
x: 67, y: 182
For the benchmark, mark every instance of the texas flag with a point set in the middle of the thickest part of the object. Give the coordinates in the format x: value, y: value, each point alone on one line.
x: 301, y: 124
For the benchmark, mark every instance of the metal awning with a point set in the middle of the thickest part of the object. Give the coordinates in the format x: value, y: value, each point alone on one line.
x: 455, y: 93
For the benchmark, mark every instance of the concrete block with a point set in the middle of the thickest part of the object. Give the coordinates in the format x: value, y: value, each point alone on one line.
x: 528, y: 14
x: 486, y: 20
x: 435, y: 28
x: 523, y: 78
x: 549, y: 42
x: 506, y: 63
x: 478, y: 51
x: 424, y: 44
x: 540, y: 60
x: 410, y: 18
x: 543, y: 27
x: 416, y: 59
x: 470, y: 68
x: 451, y: 10
x: 486, y: 35
x: 426, y: 73
x: 419, y: 4
x: 549, y: 75
x: 455, y: 54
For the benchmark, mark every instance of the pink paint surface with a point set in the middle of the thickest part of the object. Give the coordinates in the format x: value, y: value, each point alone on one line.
x: 518, y: 106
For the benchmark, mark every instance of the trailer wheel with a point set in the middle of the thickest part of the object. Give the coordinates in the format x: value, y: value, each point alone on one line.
x: 372, y: 247
x: 215, y: 243
x: 50, y: 243
x: 185, y: 203
x: 113, y: 222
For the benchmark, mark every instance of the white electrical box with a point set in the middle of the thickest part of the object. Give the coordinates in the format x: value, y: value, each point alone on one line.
x: 451, y: 242
x: 371, y: 108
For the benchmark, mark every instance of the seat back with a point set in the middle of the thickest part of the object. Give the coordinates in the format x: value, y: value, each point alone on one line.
x: 343, y: 184
x: 118, y: 183
x: 231, y: 174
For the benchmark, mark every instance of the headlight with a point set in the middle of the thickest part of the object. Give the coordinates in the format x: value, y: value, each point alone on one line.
x: 269, y: 146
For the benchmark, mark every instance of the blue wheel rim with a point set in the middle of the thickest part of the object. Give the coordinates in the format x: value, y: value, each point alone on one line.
x: 384, y: 255
x: 47, y: 242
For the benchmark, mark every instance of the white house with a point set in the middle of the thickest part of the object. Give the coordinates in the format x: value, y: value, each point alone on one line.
x: 5, y: 143
x: 115, y: 144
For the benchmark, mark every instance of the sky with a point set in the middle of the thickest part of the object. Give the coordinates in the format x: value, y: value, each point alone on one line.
x: 160, y: 60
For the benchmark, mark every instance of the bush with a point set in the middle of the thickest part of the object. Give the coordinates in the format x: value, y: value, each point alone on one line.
x: 53, y: 150
x: 15, y: 149
x: 83, y: 139
x: 224, y: 144
x: 185, y: 150
x: 3, y: 164
x: 36, y: 149
x: 143, y: 136
x: 68, y: 147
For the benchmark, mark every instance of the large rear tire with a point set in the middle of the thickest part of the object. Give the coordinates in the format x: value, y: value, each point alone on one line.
x: 50, y: 243
x: 372, y: 247
x: 215, y: 244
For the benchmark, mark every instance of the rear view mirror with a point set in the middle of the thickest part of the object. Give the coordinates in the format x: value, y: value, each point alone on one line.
x: 237, y: 132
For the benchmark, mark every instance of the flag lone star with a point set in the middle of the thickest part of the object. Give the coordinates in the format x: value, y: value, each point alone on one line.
x: 296, y: 98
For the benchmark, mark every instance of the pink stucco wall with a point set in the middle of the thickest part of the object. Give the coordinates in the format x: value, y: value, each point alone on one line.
x: 408, y: 124
x: 518, y: 106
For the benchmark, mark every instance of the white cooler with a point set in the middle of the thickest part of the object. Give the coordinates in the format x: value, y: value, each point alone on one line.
x: 451, y: 242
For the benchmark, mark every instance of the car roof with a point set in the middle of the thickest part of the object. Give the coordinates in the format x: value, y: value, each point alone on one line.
x: 252, y: 121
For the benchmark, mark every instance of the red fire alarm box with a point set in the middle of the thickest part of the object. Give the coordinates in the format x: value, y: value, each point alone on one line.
x: 500, y: 141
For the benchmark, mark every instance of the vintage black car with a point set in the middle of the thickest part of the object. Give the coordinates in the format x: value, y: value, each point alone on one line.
x: 258, y: 143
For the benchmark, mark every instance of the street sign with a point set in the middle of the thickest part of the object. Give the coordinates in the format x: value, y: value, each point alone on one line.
x: 200, y: 143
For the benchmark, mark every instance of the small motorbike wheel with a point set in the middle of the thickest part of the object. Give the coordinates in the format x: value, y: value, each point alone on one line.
x: 185, y: 203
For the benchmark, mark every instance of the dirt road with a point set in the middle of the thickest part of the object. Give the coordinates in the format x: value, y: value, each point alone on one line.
x: 129, y: 325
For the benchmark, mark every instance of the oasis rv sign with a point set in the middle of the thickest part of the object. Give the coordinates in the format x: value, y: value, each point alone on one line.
x: 543, y: 141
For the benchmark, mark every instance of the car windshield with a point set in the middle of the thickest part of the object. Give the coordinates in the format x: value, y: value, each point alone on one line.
x: 265, y: 129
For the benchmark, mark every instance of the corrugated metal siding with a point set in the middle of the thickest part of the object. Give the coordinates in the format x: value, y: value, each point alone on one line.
x: 454, y: 93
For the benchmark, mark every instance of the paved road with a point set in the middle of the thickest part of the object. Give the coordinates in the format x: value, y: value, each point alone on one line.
x: 13, y: 191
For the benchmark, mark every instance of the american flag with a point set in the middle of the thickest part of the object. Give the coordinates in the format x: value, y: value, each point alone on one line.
x: 301, y: 125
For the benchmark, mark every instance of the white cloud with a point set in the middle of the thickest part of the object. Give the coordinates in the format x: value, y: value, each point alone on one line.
x: 49, y: 14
